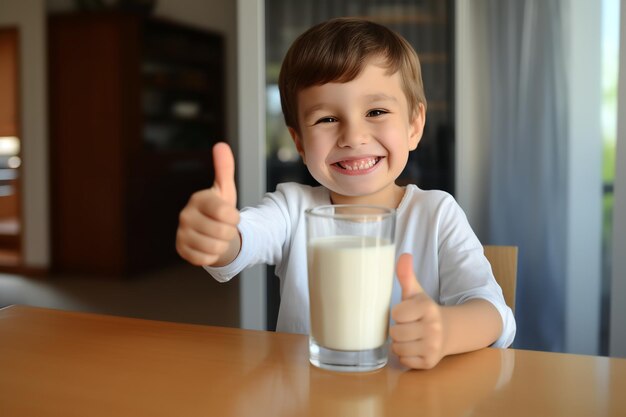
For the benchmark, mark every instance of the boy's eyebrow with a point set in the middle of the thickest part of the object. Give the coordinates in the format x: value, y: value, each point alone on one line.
x: 307, y: 112
x: 380, y: 97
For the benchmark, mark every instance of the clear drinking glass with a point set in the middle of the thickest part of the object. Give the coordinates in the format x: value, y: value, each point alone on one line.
x: 351, y: 258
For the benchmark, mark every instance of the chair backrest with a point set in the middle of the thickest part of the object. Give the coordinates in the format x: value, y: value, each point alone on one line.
x: 503, y: 260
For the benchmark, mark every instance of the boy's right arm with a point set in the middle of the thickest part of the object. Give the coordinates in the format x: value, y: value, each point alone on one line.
x: 207, y: 231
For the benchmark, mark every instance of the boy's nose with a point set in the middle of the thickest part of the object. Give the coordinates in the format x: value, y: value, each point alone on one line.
x: 352, y: 135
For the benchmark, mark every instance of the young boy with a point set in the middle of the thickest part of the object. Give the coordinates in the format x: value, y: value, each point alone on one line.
x: 353, y: 101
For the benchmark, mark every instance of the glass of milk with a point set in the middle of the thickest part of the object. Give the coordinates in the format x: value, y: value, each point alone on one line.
x: 351, y: 258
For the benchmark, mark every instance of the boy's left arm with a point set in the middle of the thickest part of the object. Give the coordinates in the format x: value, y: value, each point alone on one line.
x: 425, y: 332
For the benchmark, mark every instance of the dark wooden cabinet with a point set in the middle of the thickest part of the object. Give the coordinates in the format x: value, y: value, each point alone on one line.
x: 135, y: 106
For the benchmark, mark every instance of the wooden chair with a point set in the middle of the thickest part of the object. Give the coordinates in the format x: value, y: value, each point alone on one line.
x: 503, y: 260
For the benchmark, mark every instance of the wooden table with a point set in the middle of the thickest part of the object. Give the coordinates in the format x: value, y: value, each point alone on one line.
x: 56, y: 363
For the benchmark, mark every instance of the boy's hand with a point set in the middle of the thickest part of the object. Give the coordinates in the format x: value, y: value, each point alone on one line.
x: 207, y: 230
x: 418, y: 335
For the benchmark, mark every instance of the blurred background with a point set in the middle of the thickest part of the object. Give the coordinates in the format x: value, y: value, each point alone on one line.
x: 109, y: 109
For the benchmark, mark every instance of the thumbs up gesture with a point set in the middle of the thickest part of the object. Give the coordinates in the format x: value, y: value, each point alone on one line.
x: 418, y: 335
x: 207, y: 231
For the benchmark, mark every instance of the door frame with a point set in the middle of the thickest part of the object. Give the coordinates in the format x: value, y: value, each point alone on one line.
x: 617, y: 335
x: 251, y: 173
x: 11, y: 34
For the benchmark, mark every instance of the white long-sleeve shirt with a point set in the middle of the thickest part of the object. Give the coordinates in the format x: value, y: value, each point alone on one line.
x: 448, y: 258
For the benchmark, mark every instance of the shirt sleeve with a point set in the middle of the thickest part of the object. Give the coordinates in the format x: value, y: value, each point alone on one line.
x: 465, y: 273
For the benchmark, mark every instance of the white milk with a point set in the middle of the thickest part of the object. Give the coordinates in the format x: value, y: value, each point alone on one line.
x: 350, y: 281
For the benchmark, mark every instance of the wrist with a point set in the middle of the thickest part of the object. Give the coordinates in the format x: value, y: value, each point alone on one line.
x: 231, y: 253
x: 472, y: 325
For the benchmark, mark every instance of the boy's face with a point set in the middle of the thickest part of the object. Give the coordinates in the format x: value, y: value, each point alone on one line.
x: 355, y: 137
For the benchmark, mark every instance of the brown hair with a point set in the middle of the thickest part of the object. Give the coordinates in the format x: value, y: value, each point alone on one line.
x: 336, y: 51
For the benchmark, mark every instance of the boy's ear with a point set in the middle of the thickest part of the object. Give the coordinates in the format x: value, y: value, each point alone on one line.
x: 297, y: 140
x: 416, y: 129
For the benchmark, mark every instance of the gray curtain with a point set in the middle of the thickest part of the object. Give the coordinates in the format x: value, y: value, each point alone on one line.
x: 527, y: 190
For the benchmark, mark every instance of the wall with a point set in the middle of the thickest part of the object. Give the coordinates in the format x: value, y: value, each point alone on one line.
x: 472, y: 115
x: 251, y: 157
x: 584, y: 247
x: 29, y: 17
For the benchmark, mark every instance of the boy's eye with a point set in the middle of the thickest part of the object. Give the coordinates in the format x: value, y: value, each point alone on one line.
x: 376, y: 112
x: 326, y: 120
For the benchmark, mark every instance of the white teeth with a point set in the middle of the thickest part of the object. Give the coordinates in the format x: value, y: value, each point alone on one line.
x: 364, y: 164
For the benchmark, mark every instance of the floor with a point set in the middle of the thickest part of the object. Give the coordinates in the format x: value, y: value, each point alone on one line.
x: 181, y: 293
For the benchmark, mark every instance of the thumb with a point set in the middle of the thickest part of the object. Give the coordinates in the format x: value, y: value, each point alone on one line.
x: 406, y: 277
x: 224, y: 166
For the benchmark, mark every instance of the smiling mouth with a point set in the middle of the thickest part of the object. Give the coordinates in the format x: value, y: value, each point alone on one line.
x: 362, y: 164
